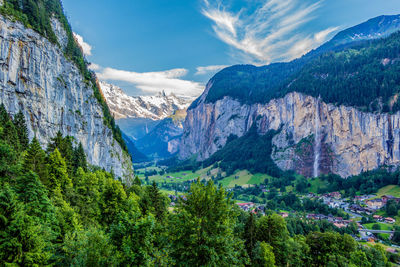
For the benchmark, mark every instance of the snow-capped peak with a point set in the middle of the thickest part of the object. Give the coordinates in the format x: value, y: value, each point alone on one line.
x: 155, y: 107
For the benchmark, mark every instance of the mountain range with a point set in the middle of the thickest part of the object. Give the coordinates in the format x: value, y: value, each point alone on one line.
x: 156, y: 107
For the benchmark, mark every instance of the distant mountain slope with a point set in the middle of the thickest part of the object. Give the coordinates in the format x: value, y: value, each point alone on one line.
x: 156, y: 107
x: 366, y: 76
x: 250, y: 84
x: 137, y: 156
x: 334, y: 112
x: 375, y: 28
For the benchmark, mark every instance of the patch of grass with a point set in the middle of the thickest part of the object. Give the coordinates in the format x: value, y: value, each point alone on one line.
x: 384, y: 226
x: 316, y: 184
x: 393, y: 190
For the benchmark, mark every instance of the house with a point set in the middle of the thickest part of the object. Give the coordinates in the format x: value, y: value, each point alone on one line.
x: 386, y: 198
x: 245, y: 206
x: 378, y: 218
x: 340, y: 224
x: 284, y: 214
x: 374, y: 203
x: 390, y: 220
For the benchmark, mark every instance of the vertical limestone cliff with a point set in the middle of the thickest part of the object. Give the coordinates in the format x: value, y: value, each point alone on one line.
x: 349, y: 141
x: 36, y: 77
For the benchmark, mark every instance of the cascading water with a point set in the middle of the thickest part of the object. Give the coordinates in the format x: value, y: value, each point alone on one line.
x: 317, y: 141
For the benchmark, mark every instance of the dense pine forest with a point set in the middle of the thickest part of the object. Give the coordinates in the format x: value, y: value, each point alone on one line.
x: 57, y: 210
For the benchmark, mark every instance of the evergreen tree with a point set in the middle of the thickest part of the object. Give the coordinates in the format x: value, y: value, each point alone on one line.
x: 22, y: 130
x: 158, y: 202
x: 137, y: 181
x: 202, y: 230
x: 35, y: 160
x: 64, y: 146
x: 9, y: 167
x: 272, y: 230
x: 10, y: 135
x: 79, y: 158
x: 58, y: 176
x: 250, y: 235
x: 22, y: 240
x: 55, y: 142
x: 4, y: 117
x: 263, y: 255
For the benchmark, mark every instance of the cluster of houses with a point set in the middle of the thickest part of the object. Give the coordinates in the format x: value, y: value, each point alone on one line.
x: 379, y: 218
x: 337, y: 221
x: 252, y: 207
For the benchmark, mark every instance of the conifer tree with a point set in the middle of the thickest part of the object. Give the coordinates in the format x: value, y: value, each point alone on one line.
x: 22, y: 130
x: 8, y: 162
x: 22, y: 240
x: 250, y: 235
x: 10, y: 135
x: 79, y: 159
x: 158, y: 202
x: 55, y: 142
x: 202, y: 231
x: 58, y: 175
x: 4, y: 117
x: 137, y: 181
x: 35, y: 160
x: 64, y: 146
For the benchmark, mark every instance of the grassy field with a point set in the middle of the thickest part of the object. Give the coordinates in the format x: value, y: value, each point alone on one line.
x: 384, y: 226
x: 243, y: 178
x: 393, y: 190
x: 316, y: 183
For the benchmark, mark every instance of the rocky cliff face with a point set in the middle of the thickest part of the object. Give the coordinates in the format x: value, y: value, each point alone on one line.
x: 36, y: 78
x: 348, y: 141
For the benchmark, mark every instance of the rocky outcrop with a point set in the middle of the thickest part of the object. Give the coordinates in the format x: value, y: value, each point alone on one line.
x: 351, y: 141
x: 35, y: 77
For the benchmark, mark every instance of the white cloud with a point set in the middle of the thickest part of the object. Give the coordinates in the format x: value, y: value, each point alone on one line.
x: 273, y: 32
x: 94, y: 67
x: 86, y: 48
x: 154, y: 82
x: 209, y: 69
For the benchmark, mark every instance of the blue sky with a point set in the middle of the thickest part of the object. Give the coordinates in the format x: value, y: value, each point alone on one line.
x: 146, y: 46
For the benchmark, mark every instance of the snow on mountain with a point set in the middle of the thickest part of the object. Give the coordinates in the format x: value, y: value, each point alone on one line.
x: 156, y: 107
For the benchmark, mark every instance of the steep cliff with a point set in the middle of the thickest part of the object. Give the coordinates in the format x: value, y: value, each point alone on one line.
x: 37, y: 78
x: 350, y: 141
x: 337, y: 111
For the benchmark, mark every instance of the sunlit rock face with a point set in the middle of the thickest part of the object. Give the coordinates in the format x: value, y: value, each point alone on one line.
x: 35, y: 77
x: 351, y: 141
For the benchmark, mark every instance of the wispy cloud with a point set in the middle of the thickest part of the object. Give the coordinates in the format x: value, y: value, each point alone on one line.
x: 272, y: 32
x: 86, y: 48
x: 209, y: 69
x: 153, y: 82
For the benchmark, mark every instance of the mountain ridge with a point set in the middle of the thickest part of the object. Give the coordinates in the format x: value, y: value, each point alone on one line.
x: 156, y: 107
x: 331, y: 129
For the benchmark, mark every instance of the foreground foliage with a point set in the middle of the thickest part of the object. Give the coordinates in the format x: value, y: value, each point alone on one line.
x: 57, y: 210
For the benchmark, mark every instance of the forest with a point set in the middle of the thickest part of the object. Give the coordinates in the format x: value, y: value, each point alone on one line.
x: 55, y: 209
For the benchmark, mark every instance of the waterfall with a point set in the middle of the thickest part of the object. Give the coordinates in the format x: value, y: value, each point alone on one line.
x: 317, y: 141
